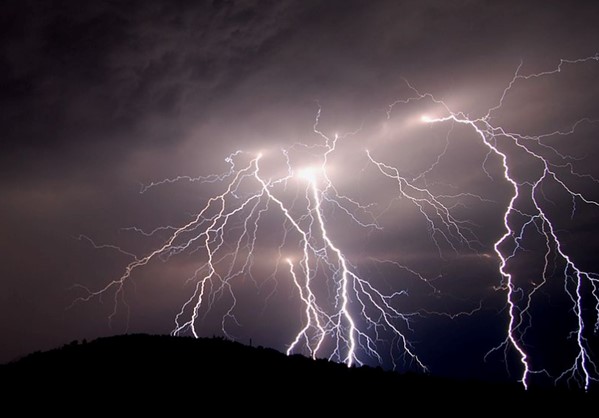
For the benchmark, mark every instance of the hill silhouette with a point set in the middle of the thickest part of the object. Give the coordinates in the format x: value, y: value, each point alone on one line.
x: 211, y: 369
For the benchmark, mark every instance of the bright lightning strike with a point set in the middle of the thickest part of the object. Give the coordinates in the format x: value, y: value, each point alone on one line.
x: 344, y: 316
x: 583, y: 369
x: 308, y: 173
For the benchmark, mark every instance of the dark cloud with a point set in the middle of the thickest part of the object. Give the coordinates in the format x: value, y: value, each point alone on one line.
x: 99, y: 97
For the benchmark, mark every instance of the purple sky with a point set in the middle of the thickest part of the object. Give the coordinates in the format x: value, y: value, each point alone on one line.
x: 99, y: 98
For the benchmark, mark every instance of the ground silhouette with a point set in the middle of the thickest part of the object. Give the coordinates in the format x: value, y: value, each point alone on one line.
x: 149, y: 368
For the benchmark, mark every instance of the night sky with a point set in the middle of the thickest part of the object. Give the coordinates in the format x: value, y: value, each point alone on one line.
x: 101, y: 98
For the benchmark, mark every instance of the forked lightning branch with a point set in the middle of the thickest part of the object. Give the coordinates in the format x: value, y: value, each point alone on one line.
x: 353, y: 321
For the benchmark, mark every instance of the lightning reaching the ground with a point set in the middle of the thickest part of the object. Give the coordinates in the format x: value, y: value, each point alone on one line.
x: 291, y: 194
x: 583, y: 369
x: 330, y: 327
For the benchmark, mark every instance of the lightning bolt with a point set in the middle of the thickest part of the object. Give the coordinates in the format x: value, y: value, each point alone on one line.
x: 330, y: 328
x: 519, y: 300
x: 344, y: 317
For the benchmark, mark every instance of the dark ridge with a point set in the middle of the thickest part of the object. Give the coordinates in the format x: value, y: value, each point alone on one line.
x: 181, y: 369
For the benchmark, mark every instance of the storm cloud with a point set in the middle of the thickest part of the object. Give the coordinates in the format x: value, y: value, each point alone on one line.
x: 98, y: 98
